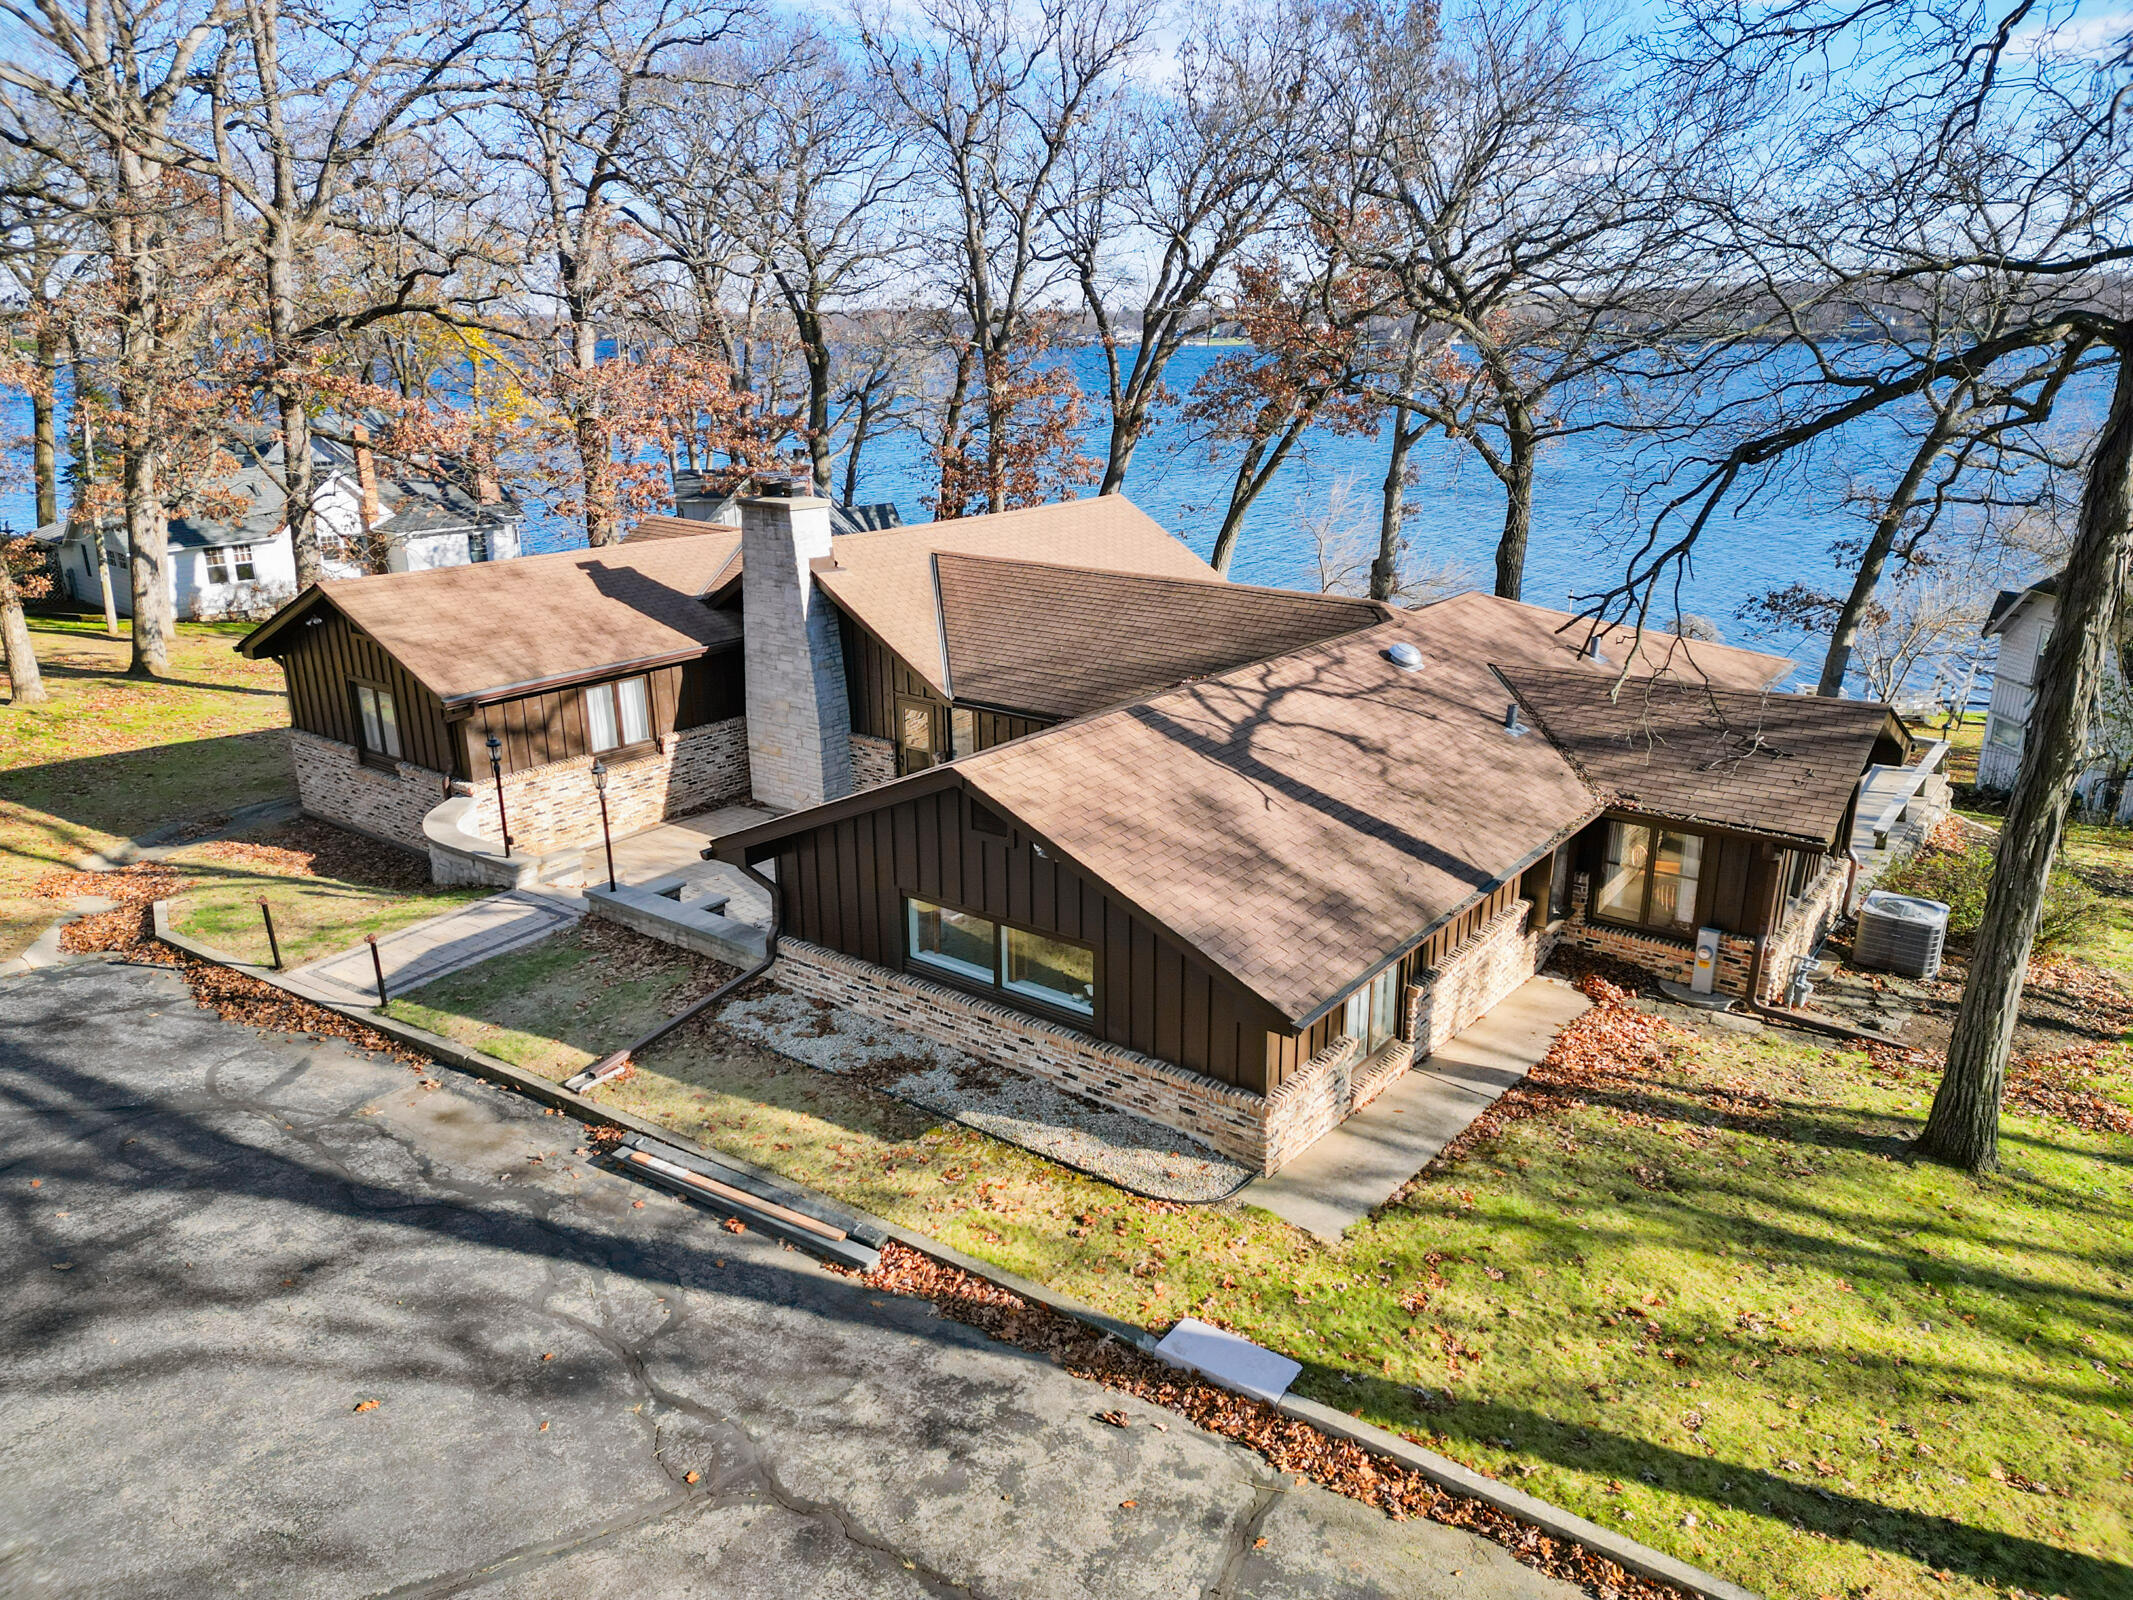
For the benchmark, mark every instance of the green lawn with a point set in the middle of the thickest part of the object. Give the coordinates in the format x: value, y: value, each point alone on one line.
x: 1713, y: 1305
x: 110, y: 757
x: 327, y: 889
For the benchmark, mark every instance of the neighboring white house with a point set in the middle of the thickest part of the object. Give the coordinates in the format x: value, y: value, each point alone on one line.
x: 247, y: 566
x: 2022, y: 621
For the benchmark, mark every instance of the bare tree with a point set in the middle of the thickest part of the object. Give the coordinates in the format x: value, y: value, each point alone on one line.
x: 996, y: 102
x: 101, y: 87
x: 580, y: 87
x: 41, y: 242
x: 1522, y: 187
x: 1949, y: 147
x: 302, y: 107
x: 1185, y: 177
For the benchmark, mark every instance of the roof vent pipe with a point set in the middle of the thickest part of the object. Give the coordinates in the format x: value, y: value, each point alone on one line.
x: 1404, y: 656
x: 1511, y: 724
x: 1592, y: 649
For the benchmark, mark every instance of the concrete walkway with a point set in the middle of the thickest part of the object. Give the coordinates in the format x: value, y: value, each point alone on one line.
x: 430, y: 950
x: 1365, y: 1161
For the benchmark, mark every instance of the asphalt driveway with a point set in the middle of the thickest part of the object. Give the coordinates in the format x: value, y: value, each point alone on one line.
x: 221, y: 1247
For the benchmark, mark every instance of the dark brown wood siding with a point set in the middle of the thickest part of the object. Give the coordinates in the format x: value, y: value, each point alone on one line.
x: 1736, y: 887
x: 843, y: 885
x: 537, y: 729
x: 874, y: 675
x: 322, y: 663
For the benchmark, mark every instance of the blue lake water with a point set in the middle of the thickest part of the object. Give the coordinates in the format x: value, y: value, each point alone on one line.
x: 1455, y: 508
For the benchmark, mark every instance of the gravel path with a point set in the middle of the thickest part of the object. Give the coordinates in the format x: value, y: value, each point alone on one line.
x: 1127, y: 1150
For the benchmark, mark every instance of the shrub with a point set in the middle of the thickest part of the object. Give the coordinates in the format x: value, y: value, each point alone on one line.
x: 1959, y: 878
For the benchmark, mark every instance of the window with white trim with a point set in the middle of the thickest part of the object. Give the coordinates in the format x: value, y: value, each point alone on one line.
x: 228, y: 560
x: 618, y: 714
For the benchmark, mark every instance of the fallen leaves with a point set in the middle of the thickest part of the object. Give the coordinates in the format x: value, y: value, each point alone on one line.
x: 366, y: 1405
x: 1294, y: 1448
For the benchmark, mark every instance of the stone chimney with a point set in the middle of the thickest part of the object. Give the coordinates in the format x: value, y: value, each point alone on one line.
x: 487, y: 492
x: 367, y: 479
x: 799, y: 720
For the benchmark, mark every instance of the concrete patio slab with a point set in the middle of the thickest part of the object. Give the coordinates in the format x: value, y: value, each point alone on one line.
x: 430, y: 950
x: 1365, y: 1161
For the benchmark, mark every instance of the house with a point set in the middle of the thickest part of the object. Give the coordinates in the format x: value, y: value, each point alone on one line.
x: 368, y: 518
x: 1054, y: 792
x: 2022, y: 620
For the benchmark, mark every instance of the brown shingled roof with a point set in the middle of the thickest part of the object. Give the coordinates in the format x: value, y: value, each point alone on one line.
x: 471, y: 633
x: 885, y: 579
x: 1302, y: 820
x: 1768, y: 763
x: 1057, y: 641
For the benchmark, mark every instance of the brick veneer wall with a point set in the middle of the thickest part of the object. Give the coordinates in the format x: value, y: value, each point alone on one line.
x: 873, y: 762
x: 1819, y: 907
x: 1474, y: 975
x: 332, y: 782
x: 556, y: 806
x: 1230, y: 1119
x: 1263, y: 1132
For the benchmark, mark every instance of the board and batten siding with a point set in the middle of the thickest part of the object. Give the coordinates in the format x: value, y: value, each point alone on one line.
x: 539, y: 729
x: 875, y: 676
x: 1737, y: 885
x: 843, y: 886
x: 322, y: 662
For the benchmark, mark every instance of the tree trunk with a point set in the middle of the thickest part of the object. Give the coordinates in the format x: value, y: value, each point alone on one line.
x: 1385, y: 570
x: 44, y: 403
x: 1963, y: 1128
x: 1519, y: 447
x: 1274, y: 439
x: 26, y: 683
x: 1875, y: 558
x: 860, y: 426
x: 148, y: 564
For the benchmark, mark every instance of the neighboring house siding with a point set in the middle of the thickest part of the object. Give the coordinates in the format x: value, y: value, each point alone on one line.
x: 843, y: 887
x: 2013, y: 686
x: 541, y: 729
x: 322, y: 663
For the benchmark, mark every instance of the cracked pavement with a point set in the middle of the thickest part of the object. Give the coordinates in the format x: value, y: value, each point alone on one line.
x: 221, y: 1244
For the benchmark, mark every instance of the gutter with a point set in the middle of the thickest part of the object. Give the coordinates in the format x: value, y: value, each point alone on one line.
x: 612, y: 1065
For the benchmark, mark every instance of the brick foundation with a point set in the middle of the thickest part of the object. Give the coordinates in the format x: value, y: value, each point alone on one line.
x: 556, y: 807
x: 873, y: 762
x: 1262, y: 1132
x: 1230, y: 1119
x: 332, y: 782
x: 1675, y: 959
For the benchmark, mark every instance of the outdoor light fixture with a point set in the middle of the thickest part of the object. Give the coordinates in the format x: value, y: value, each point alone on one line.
x: 496, y: 771
x: 607, y: 841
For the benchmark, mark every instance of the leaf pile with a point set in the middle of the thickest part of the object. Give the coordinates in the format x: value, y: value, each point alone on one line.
x: 2059, y: 1087
x: 129, y: 927
x: 236, y: 998
x: 1292, y: 1447
x: 306, y: 848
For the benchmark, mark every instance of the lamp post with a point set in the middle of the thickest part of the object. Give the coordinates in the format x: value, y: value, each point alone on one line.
x: 496, y: 771
x: 607, y: 841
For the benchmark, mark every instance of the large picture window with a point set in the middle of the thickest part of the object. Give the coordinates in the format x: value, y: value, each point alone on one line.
x: 618, y: 714
x: 377, y: 720
x: 1060, y: 973
x: 1650, y: 877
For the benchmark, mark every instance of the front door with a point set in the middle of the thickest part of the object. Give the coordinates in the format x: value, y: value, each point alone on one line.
x: 918, y: 740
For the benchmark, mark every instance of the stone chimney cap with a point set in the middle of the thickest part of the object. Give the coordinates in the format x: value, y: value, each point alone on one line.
x: 792, y: 502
